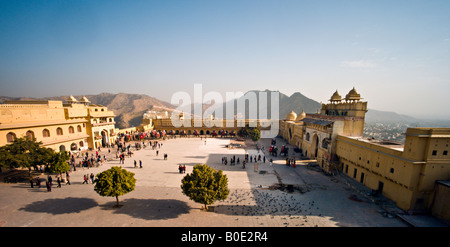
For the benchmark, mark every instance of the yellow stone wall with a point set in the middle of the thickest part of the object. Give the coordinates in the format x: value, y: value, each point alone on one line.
x: 77, y: 123
x: 408, y: 172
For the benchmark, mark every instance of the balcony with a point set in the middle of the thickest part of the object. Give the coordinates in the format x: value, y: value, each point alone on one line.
x: 103, y: 123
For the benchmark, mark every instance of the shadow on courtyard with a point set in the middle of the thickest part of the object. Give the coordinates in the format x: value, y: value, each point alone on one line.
x: 60, y: 206
x: 149, y: 209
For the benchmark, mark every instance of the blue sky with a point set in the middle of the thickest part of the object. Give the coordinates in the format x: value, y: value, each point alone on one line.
x: 396, y: 53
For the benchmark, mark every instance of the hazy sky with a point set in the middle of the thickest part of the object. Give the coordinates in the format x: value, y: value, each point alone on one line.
x: 395, y: 53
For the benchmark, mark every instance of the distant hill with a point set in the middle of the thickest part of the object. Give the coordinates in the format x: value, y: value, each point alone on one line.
x: 296, y: 102
x: 375, y: 116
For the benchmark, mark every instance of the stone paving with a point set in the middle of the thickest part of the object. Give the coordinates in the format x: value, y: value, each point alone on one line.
x: 317, y: 200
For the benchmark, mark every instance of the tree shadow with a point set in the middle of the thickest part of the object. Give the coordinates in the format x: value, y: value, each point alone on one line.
x: 60, y: 206
x: 150, y: 209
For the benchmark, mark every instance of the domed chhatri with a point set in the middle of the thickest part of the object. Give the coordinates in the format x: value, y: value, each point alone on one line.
x: 336, y: 97
x: 301, y: 116
x: 84, y: 100
x: 72, y: 99
x: 353, y: 95
x: 291, y: 116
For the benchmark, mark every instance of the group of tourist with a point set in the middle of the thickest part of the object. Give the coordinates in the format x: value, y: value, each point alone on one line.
x: 140, y: 164
x: 86, y: 178
x: 248, y: 158
x: 49, y: 181
x: 182, y: 168
x: 290, y: 162
x: 232, y: 160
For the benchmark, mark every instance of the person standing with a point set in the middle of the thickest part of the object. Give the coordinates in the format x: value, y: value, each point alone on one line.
x: 48, y: 184
x: 140, y: 163
x: 92, y: 177
x: 68, y: 179
x: 38, y: 182
x: 49, y: 179
x: 31, y: 182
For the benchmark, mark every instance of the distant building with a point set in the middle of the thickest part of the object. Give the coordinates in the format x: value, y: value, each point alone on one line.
x: 407, y: 173
x: 73, y: 126
x: 156, y: 114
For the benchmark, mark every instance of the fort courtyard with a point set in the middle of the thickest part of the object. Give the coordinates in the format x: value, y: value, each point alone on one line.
x: 260, y: 196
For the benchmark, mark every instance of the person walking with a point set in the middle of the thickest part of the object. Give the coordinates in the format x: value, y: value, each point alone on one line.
x: 140, y: 163
x: 85, y: 179
x: 58, y: 180
x: 68, y: 179
x: 31, y: 182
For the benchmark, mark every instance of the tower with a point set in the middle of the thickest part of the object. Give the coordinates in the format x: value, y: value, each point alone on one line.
x: 350, y: 109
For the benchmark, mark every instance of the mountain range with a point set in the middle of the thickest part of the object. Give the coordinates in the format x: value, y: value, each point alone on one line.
x: 129, y: 108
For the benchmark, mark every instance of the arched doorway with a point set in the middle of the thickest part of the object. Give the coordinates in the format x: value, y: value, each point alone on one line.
x: 73, y: 147
x: 315, y: 145
x: 62, y: 148
x: 105, y: 138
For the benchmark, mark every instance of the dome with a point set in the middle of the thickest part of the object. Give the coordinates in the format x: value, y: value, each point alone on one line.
x: 84, y: 100
x: 291, y: 116
x: 301, y: 116
x: 336, y: 97
x: 72, y: 99
x: 353, y: 95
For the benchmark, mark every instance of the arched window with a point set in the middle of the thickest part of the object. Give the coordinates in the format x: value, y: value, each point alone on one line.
x: 71, y: 130
x: 81, y: 144
x: 10, y: 137
x: 30, y: 135
x: 325, y: 143
x: 59, y: 131
x: 79, y: 128
x: 46, y: 133
x: 307, y: 136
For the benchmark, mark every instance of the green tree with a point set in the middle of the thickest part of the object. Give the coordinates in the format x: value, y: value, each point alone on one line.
x: 59, y: 162
x: 24, y: 152
x: 205, y: 185
x: 114, y: 182
x: 253, y: 132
